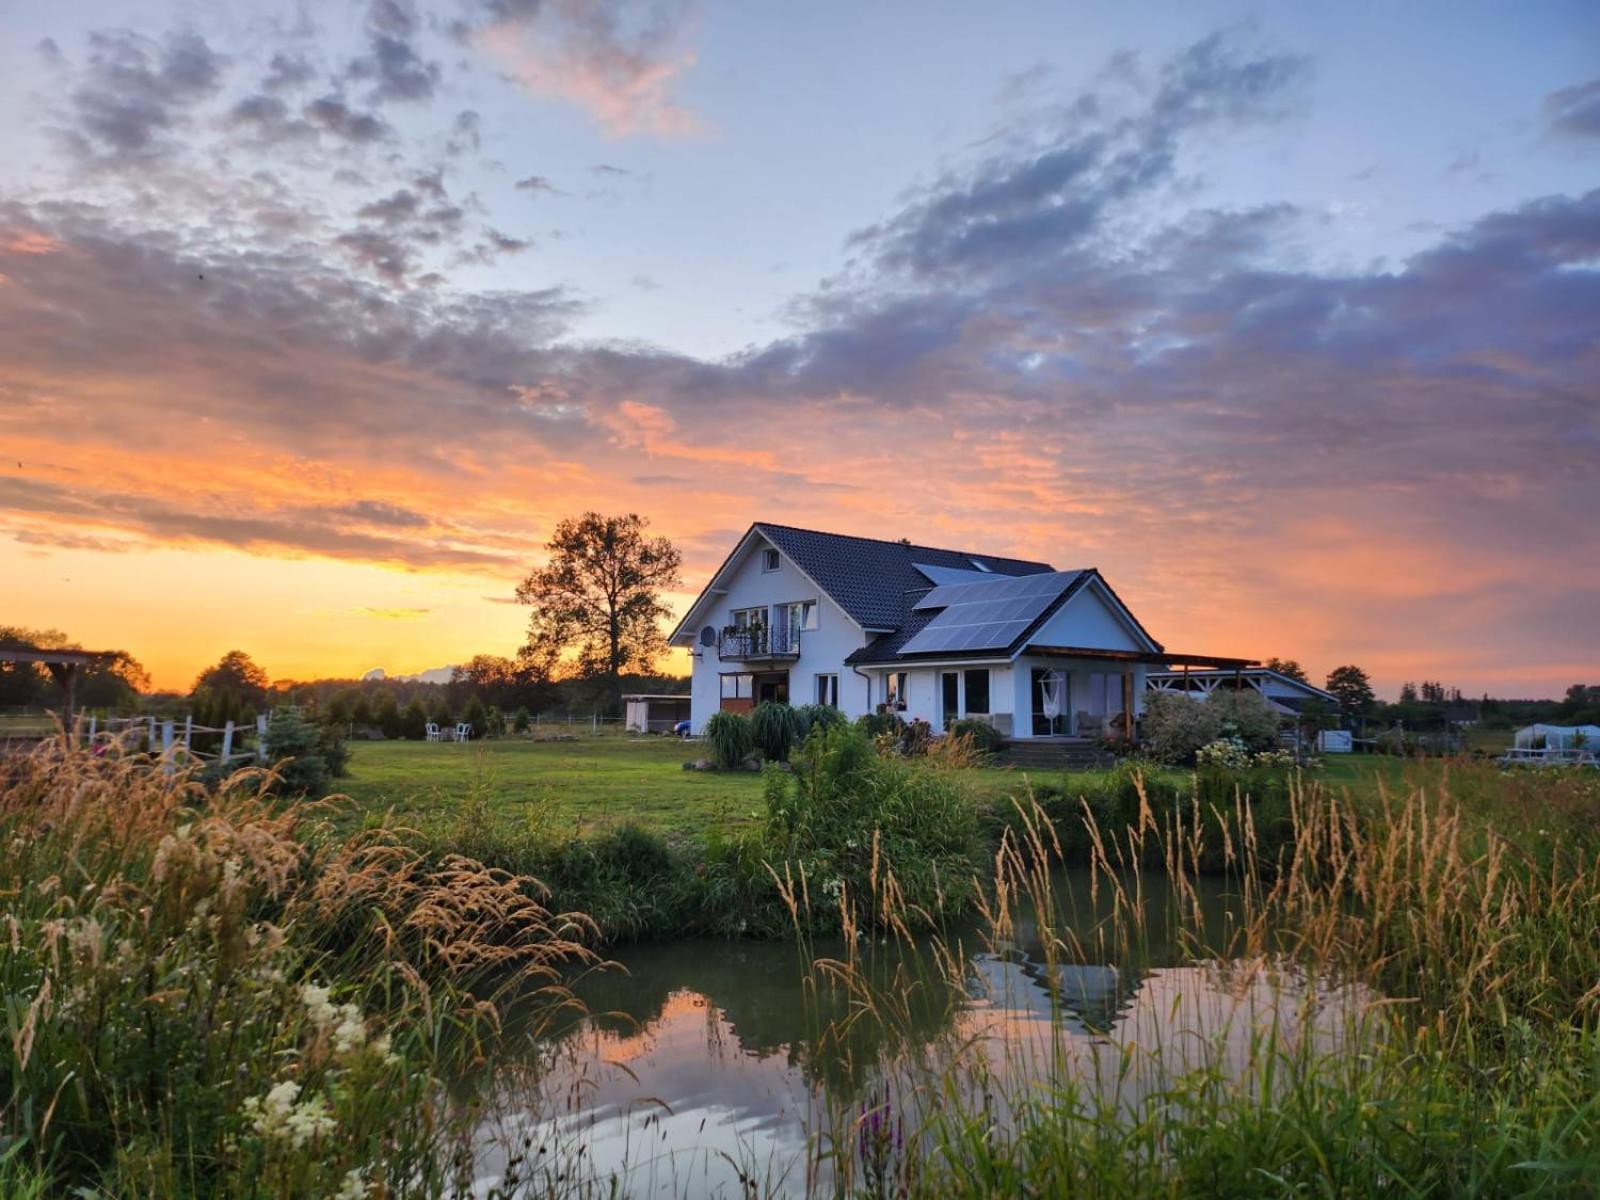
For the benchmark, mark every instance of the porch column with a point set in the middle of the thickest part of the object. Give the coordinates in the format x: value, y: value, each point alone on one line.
x: 1127, y: 706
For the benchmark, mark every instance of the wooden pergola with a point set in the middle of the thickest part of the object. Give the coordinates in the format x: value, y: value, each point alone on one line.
x: 64, y: 666
x: 1154, y: 658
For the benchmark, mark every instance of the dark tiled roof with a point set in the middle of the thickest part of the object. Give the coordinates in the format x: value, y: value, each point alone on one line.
x: 874, y: 580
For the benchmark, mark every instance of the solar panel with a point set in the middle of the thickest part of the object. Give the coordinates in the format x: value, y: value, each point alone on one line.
x: 986, y: 616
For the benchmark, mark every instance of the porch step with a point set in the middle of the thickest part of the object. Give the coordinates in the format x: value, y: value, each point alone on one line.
x: 1055, y: 756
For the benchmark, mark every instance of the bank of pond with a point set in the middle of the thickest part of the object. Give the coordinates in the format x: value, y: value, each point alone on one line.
x: 1205, y: 985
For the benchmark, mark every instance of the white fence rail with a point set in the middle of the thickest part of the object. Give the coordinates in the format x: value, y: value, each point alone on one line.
x: 166, y: 738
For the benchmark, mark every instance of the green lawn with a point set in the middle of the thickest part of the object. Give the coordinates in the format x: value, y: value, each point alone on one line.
x: 596, y: 782
x: 585, y: 784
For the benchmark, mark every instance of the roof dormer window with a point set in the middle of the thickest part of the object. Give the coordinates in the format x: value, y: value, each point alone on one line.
x: 769, y: 559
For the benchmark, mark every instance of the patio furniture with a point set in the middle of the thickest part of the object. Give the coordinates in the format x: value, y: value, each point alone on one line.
x: 463, y: 732
x: 431, y: 732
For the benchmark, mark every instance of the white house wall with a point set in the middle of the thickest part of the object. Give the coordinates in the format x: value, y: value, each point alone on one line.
x: 1088, y: 620
x: 822, y: 649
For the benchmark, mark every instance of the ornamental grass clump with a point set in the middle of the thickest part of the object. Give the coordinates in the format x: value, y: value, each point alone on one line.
x: 732, y: 740
x: 776, y: 728
x: 198, y: 1002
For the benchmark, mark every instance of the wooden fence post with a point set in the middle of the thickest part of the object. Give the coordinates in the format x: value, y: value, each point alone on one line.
x: 155, y: 738
x: 261, y: 737
x: 227, y: 744
x: 92, y: 723
x: 188, y: 734
x: 166, y: 746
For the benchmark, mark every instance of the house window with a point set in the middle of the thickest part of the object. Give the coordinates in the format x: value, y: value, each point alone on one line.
x: 799, y: 615
x: 828, y: 690
x: 977, y: 682
x: 749, y: 618
x: 738, y: 687
x: 769, y: 560
x: 894, y: 689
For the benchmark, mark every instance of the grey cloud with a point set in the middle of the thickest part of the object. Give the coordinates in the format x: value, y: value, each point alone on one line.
x: 1032, y: 204
x: 134, y: 91
x: 333, y: 115
x: 304, y: 531
x: 536, y: 184
x: 1575, y: 110
x: 287, y: 72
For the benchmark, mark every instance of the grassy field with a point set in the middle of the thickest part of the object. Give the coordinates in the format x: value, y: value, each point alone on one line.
x: 596, y: 783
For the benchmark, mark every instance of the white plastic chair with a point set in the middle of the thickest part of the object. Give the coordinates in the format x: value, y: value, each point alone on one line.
x: 432, y: 732
x: 463, y: 732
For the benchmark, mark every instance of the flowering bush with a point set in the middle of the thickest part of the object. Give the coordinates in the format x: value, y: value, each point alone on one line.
x: 1229, y: 754
x: 1177, y: 725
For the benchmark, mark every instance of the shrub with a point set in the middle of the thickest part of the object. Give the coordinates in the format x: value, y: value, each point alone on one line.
x: 776, y: 728
x: 439, y: 712
x: 521, y: 722
x: 414, y: 720
x: 1246, y: 715
x: 1226, y: 753
x: 876, y: 724
x: 817, y: 716
x: 845, y: 809
x: 731, y: 739
x: 1176, y: 725
x: 476, y: 715
x: 985, y: 738
x: 386, y: 714
x: 307, y: 756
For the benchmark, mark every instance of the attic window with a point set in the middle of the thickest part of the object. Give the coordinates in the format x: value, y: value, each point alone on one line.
x: 769, y: 560
x: 987, y: 570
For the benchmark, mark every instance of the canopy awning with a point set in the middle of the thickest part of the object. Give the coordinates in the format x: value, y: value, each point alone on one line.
x: 1152, y: 658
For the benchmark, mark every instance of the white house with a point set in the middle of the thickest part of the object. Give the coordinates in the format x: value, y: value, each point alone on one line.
x: 799, y: 616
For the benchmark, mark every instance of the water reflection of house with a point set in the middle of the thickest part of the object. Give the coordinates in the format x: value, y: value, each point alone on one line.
x: 1085, y: 998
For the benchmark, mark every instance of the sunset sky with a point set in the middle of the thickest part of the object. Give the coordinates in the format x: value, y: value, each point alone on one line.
x: 314, y: 318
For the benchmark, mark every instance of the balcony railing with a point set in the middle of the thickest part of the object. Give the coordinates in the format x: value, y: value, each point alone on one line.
x: 745, y: 645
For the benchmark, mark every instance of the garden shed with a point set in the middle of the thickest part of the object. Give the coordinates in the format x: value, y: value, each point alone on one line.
x: 655, y: 714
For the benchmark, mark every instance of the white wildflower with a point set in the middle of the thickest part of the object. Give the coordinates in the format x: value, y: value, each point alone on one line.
x: 315, y: 998
x: 282, y: 1116
x: 354, y: 1186
x: 351, y: 1032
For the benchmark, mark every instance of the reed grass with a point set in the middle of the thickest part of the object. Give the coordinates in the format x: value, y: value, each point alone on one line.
x: 199, y: 1003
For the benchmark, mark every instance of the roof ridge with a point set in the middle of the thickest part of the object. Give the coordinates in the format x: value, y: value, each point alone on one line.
x: 906, y: 545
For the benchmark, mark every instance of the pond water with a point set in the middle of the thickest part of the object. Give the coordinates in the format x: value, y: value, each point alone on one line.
x: 721, y: 1068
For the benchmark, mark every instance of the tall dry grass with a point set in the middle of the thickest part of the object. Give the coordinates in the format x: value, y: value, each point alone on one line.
x: 198, y: 1002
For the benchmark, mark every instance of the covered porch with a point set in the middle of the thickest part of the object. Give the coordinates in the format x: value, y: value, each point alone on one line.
x: 1079, y: 696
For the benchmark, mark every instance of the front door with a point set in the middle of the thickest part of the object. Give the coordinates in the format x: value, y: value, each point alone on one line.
x: 950, y: 689
x: 1052, y: 698
x: 774, y: 686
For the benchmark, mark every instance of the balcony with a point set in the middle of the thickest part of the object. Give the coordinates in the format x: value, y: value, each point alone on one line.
x: 759, y: 644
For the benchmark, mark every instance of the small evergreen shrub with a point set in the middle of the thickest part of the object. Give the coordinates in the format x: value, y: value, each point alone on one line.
x: 731, y: 739
x: 414, y: 720
x: 307, y: 756
x: 522, y: 721
x: 476, y: 715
